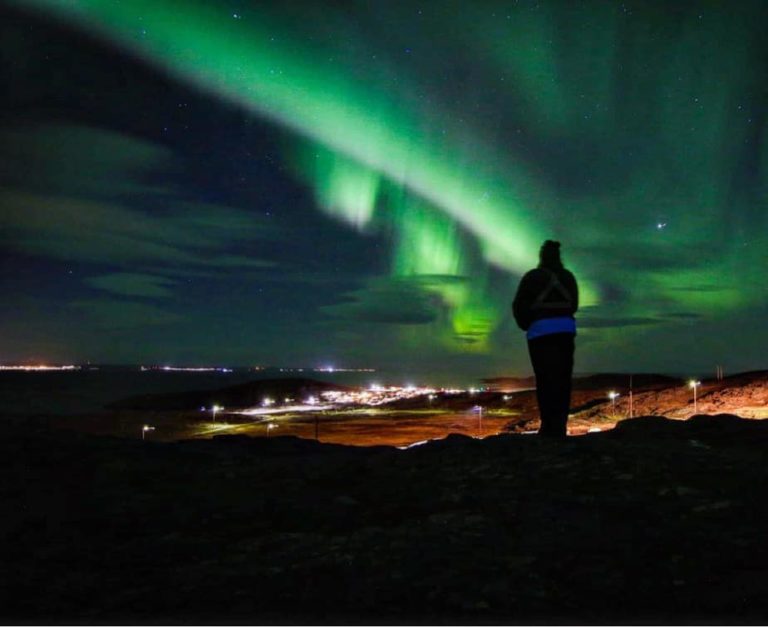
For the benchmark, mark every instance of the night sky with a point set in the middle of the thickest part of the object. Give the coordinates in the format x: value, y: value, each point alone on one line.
x: 362, y: 184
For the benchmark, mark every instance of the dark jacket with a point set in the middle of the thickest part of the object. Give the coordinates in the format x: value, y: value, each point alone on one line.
x: 545, y: 293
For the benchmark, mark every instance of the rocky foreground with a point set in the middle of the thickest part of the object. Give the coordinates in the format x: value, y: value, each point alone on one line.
x: 657, y: 521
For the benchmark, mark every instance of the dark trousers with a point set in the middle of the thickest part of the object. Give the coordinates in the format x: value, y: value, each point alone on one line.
x: 552, y: 360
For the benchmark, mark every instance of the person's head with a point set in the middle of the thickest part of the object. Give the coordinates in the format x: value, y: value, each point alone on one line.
x: 549, y: 255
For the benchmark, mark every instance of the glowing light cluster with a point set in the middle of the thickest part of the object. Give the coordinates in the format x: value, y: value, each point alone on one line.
x: 268, y: 410
x: 184, y: 369
x: 334, y: 369
x: 39, y: 368
x: 375, y: 395
x: 330, y: 369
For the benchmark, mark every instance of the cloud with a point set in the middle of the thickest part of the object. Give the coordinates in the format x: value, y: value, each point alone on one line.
x: 83, y: 230
x: 436, y: 280
x: 114, y: 314
x: 606, y: 323
x: 650, y: 256
x: 471, y: 338
x: 238, y: 261
x: 133, y: 284
x: 684, y: 316
x: 85, y: 194
x: 588, y: 321
x: 614, y: 294
x: 388, y: 302
x: 703, y: 289
x: 79, y: 160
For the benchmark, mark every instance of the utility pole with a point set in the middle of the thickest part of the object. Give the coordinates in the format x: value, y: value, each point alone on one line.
x: 631, y: 400
x: 720, y: 374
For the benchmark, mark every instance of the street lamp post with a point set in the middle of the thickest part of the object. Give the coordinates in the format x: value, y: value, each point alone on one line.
x: 214, y: 409
x: 144, y: 430
x: 694, y: 384
x: 613, y: 396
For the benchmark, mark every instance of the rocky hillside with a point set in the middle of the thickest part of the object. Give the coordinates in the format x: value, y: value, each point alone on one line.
x: 743, y: 394
x: 655, y: 521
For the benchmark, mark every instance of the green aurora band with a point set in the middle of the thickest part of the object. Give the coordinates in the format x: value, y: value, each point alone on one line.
x: 649, y: 114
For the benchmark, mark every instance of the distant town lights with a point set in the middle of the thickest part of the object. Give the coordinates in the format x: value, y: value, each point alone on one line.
x: 334, y: 369
x: 39, y: 368
x: 375, y: 395
x: 185, y: 369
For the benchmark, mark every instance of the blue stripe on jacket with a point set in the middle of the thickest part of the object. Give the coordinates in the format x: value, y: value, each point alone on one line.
x: 549, y: 326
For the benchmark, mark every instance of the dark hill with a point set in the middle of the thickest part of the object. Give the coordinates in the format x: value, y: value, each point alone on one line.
x: 656, y: 522
x: 243, y: 395
x: 744, y: 378
x: 600, y: 381
x: 606, y: 381
x: 509, y: 384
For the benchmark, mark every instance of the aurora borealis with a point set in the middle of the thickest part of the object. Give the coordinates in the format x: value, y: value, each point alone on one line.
x: 363, y: 183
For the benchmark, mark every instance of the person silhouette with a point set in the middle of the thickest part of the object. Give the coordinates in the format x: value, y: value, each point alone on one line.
x: 544, y: 307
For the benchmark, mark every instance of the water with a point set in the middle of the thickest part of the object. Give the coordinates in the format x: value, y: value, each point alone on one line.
x: 83, y: 391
